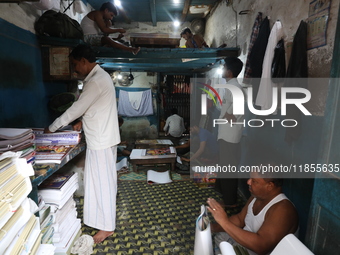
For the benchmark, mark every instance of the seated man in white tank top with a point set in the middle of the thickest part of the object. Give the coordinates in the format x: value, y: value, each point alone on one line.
x: 96, y: 26
x: 267, y: 217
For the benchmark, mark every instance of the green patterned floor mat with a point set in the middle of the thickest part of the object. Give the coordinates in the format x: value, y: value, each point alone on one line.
x: 153, y: 218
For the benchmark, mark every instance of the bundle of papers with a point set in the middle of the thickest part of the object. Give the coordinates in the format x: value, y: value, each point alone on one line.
x: 65, y: 245
x: 15, y: 139
x: 63, y: 138
x: 46, y: 249
x: 15, y: 185
x: 18, y: 140
x: 54, y: 148
x: 13, y: 225
x: 27, y: 240
x: 58, y: 188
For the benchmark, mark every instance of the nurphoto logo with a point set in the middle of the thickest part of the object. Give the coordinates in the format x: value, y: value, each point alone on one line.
x: 239, y: 104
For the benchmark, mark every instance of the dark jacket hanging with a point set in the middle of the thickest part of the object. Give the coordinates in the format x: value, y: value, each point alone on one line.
x: 257, y: 54
x: 253, y: 37
x: 297, y: 69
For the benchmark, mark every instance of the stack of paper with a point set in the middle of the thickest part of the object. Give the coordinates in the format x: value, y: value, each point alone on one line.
x: 15, y: 185
x: 14, y: 224
x: 46, y: 249
x: 63, y: 138
x: 66, y: 226
x: 19, y: 228
x: 59, y: 188
x: 18, y: 140
x: 28, y: 239
x: 54, y: 148
x: 61, y: 225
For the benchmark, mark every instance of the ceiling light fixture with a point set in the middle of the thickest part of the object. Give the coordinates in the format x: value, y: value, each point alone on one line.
x: 220, y: 69
x: 176, y: 23
x: 118, y: 3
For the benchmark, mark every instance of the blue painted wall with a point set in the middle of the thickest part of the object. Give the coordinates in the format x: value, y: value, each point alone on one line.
x: 23, y: 94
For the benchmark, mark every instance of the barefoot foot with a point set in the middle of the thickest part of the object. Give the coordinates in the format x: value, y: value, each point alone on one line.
x: 101, y: 236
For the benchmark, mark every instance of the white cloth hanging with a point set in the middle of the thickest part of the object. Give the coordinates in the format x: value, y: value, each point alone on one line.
x: 135, y: 99
x: 125, y: 108
x: 264, y: 95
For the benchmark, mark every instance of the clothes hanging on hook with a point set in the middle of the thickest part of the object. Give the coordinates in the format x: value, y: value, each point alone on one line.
x: 264, y: 96
x: 253, y: 37
x: 297, y: 68
x: 257, y: 54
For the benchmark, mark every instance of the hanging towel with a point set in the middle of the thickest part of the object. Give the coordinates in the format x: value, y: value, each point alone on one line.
x: 135, y: 99
x: 125, y: 107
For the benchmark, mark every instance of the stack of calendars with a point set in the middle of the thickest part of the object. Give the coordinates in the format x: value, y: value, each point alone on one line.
x: 59, y: 222
x: 54, y: 148
x: 153, y: 153
x: 19, y: 228
x: 18, y: 140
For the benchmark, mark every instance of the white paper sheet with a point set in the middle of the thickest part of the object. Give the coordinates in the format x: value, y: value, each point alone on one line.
x: 158, y: 177
x: 226, y: 249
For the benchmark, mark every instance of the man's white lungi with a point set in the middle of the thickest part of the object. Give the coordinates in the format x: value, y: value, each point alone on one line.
x: 100, y: 184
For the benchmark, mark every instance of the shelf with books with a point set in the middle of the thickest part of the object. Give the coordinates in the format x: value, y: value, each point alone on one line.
x: 42, y: 172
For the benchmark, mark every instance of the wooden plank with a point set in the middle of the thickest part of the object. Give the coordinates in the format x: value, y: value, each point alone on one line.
x: 153, y: 12
x: 185, y: 10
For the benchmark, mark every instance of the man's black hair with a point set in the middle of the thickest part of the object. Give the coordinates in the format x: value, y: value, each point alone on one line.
x: 83, y: 51
x: 185, y: 30
x: 110, y: 6
x: 174, y: 111
x: 233, y: 64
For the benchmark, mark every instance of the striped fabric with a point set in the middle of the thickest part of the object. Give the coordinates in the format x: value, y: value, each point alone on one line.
x: 100, y: 189
x: 253, y: 37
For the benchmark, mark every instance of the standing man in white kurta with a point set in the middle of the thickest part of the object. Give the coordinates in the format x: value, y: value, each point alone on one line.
x: 98, y: 111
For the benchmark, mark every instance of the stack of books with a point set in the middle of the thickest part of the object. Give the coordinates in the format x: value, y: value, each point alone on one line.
x: 54, y: 148
x: 60, y: 224
x: 19, y: 227
x: 18, y: 140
